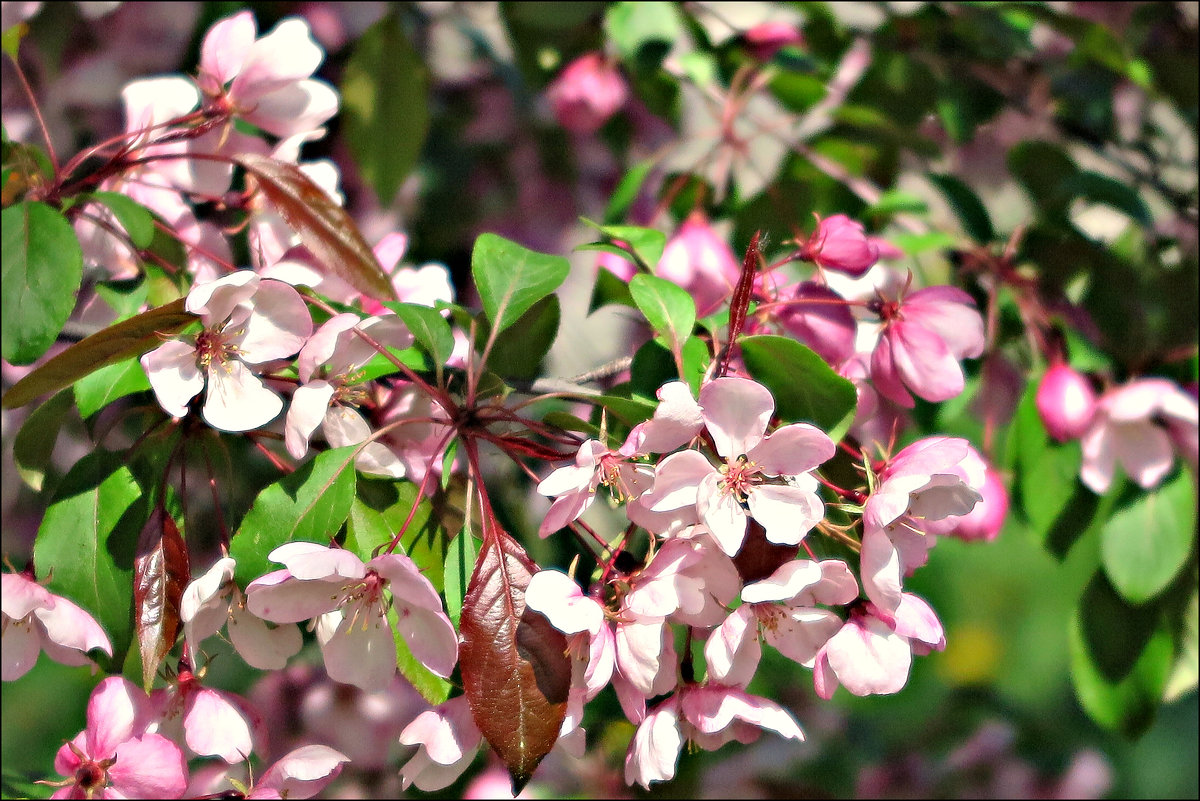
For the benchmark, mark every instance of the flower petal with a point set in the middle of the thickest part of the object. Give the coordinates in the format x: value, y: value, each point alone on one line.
x: 174, y: 375
x: 237, y: 400
x: 736, y: 413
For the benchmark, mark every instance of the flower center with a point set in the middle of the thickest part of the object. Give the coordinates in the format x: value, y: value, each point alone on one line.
x: 90, y: 777
x: 739, y: 476
x: 214, y: 345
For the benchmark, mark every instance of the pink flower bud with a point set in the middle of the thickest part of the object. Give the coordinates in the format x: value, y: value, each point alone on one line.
x: 768, y: 38
x: 587, y: 93
x: 983, y: 523
x: 839, y: 243
x: 701, y: 262
x: 1065, y: 402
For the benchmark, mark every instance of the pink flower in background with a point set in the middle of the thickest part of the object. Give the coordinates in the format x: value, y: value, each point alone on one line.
x: 766, y: 39
x: 1065, y: 402
x: 924, y: 336
x: 586, y: 93
x: 821, y: 319
x: 1126, y: 429
x: 36, y: 620
x: 841, y: 244
x: 701, y: 262
x: 347, y: 597
x: 984, y: 522
x: 272, y: 86
x: 247, y: 320
x: 114, y: 757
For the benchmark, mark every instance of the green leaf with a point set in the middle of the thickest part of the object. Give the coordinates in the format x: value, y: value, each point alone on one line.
x: 627, y: 191
x: 377, y: 514
x: 124, y: 340
x: 912, y: 244
x: 460, y: 563
x: 668, y: 308
x: 325, y: 228
x: 643, y: 32
x: 85, y: 546
x: 42, y: 266
x: 1127, y: 706
x: 806, y: 389
x: 511, y: 278
x: 967, y: 207
x: 895, y: 201
x: 519, y: 350
x: 1114, y: 631
x: 1109, y: 191
x: 135, y: 218
x: 608, y: 289
x: 95, y: 391
x: 1147, y: 542
x: 10, y: 40
x: 34, y: 443
x: 1042, y: 168
x: 309, y: 505
x: 433, y: 688
x: 385, y: 105
x: 429, y: 327
x: 1186, y: 673
x: 633, y: 242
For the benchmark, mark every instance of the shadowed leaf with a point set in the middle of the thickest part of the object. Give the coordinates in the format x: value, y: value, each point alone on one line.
x: 160, y: 573
x: 515, y: 671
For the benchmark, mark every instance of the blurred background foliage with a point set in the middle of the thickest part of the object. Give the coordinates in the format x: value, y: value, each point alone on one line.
x: 1065, y: 129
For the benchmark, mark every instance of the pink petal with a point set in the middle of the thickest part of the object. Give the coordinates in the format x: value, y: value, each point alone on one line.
x: 216, y: 300
x: 215, y: 726
x: 237, y: 400
x: 788, y: 581
x: 1099, y: 456
x: 787, y: 513
x: 640, y: 648
x: 205, y: 604
x: 721, y: 512
x: 800, y: 633
x: 224, y: 49
x: 712, y: 708
x: 951, y: 314
x: 282, y: 599
x: 20, y: 595
x: 359, y: 652
x: 869, y: 658
x: 430, y: 636
x: 655, y: 746
x: 733, y: 651
x: 262, y: 646
x: 308, y: 560
x: 22, y: 644
x: 880, y: 569
x: 278, y: 326
x: 560, y: 599
x: 916, y: 620
x: 306, y: 412
x: 944, y: 496
x: 1144, y: 450
x: 886, y: 376
x: 677, y: 481
x: 174, y: 375
x: 304, y: 772
x: 924, y: 362
x: 72, y: 628
x: 320, y: 347
x: 736, y: 413
x: 295, y: 109
x: 116, y: 711
x: 792, y: 450
x: 148, y: 767
x: 676, y: 421
x: 284, y: 56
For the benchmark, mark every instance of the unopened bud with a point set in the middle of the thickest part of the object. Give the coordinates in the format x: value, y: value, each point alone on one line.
x: 587, y: 93
x: 839, y: 243
x: 1065, y: 402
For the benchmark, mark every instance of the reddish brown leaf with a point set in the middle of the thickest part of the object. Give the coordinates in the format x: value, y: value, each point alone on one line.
x: 160, y: 573
x: 759, y: 558
x: 324, y: 227
x: 125, y: 340
x: 740, y: 301
x: 514, y: 666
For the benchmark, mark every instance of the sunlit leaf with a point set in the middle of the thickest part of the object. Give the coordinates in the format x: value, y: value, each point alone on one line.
x: 511, y: 278
x: 1147, y: 541
x: 806, y: 389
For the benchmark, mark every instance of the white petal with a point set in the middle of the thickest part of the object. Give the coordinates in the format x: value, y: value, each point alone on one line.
x: 174, y: 375
x: 237, y: 399
x: 309, y: 404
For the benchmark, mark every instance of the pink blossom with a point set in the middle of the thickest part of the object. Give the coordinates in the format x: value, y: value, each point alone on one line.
x: 36, y: 620
x: 328, y: 397
x: 272, y: 86
x: 590, y: 640
x: 1126, y: 429
x: 677, y: 419
x: 708, y: 715
x: 247, y: 321
x: 347, y: 598
x: 781, y: 609
x: 931, y: 480
x: 983, y: 523
x: 114, y: 757
x: 586, y: 93
x: 301, y: 773
x: 872, y: 653
x: 210, y: 722
x: 736, y: 412
x: 448, y: 739
x: 766, y: 39
x: 574, y: 486
x: 840, y: 243
x: 701, y: 262
x: 1065, y: 402
x: 821, y: 319
x: 214, y: 599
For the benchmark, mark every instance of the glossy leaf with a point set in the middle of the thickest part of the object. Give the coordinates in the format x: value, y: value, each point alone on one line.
x: 967, y: 207
x: 627, y: 191
x: 378, y: 512
x: 518, y: 351
x: 632, y: 242
x: 34, y: 443
x: 511, y: 278
x: 94, y: 392
x: 310, y: 504
x: 430, y: 329
x: 385, y: 106
x: 42, y: 266
x: 460, y: 563
x: 806, y: 389
x: 515, y: 671
x: 87, y: 540
x: 1114, y: 631
x: 668, y: 308
x: 135, y: 218
x: 1147, y: 542
x: 608, y: 289
x: 324, y: 227
x: 124, y: 340
x: 160, y: 574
